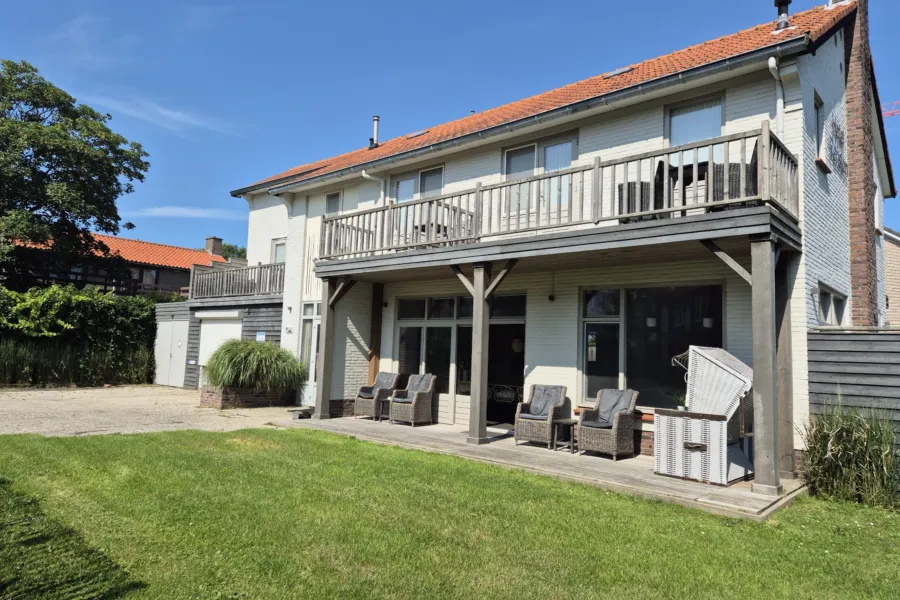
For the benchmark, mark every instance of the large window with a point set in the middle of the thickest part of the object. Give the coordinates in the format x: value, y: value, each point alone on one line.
x: 600, y: 340
x: 520, y: 162
x: 434, y: 335
x: 431, y: 182
x: 413, y: 186
x: 662, y: 323
x: 333, y: 204
x: 279, y: 251
x: 695, y: 122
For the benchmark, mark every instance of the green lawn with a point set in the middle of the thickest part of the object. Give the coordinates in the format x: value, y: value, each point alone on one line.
x: 303, y: 514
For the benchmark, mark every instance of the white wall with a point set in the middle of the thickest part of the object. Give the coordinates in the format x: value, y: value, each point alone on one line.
x: 267, y: 221
x: 352, y: 329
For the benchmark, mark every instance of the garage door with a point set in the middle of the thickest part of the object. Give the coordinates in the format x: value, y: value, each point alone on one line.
x: 214, y: 332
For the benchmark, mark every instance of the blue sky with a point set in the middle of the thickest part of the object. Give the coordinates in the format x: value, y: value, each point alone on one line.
x: 222, y: 94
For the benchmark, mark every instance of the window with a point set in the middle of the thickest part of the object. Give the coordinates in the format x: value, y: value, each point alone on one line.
x: 149, y: 277
x: 431, y: 182
x: 820, y: 126
x: 405, y: 189
x: 557, y: 156
x: 600, y: 346
x: 831, y: 307
x: 508, y: 307
x: 695, y: 122
x: 520, y: 163
x: 279, y: 251
x: 333, y: 204
x: 440, y: 308
x: 411, y: 309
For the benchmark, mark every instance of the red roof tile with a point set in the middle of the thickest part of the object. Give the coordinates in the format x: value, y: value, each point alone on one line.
x: 159, y: 255
x: 815, y: 23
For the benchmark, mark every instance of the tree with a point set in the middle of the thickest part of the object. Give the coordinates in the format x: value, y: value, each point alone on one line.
x: 61, y: 172
x: 233, y: 251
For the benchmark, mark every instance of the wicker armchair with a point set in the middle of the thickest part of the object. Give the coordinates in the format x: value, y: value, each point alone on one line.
x: 608, y: 425
x: 534, y: 419
x: 413, y: 405
x: 370, y: 399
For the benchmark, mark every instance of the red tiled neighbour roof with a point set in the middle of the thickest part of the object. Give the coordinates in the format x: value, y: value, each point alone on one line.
x: 160, y: 255
x: 813, y: 23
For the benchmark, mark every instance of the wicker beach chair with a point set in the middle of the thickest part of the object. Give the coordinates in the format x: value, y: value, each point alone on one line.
x: 709, y: 441
x: 413, y: 405
x: 608, y: 425
x: 370, y: 399
x: 534, y: 419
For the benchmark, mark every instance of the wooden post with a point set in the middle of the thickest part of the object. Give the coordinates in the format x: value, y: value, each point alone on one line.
x: 595, y: 191
x: 765, y: 400
x: 375, y: 331
x: 479, y: 210
x: 326, y: 344
x: 765, y: 174
x: 480, y: 316
x: 784, y: 365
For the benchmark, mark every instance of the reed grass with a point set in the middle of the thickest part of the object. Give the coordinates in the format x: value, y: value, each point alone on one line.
x: 853, y: 455
x: 258, y: 365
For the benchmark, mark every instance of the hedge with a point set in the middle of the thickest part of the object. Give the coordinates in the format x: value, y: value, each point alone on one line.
x: 62, y: 335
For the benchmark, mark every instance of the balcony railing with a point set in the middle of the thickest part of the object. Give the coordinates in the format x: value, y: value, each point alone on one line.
x: 247, y: 281
x: 741, y: 169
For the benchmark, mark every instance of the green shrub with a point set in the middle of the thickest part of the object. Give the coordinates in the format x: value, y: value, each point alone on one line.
x: 258, y: 365
x: 62, y: 335
x: 852, y: 456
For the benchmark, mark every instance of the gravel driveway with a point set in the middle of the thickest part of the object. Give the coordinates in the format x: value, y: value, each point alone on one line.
x: 126, y: 409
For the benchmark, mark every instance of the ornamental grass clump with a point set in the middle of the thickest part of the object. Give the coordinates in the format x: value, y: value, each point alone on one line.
x: 853, y: 455
x: 255, y: 365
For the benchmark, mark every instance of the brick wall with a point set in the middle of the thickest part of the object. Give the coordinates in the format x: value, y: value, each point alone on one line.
x: 863, y: 251
x: 215, y: 397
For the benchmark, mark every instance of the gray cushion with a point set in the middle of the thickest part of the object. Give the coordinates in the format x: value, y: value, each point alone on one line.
x: 366, y: 393
x: 612, y: 402
x: 597, y: 424
x: 419, y: 383
x: 531, y: 417
x: 543, y: 399
x: 384, y: 380
x: 402, y: 400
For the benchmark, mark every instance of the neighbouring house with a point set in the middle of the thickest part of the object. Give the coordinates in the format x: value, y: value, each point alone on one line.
x: 892, y: 276
x: 728, y: 194
x: 154, y: 267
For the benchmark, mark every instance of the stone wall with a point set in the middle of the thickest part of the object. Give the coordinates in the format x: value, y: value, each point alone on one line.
x: 215, y: 397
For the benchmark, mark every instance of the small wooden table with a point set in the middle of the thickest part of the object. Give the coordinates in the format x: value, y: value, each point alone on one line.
x: 570, y: 425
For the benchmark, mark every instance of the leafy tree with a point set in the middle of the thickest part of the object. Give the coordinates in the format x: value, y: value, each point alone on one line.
x: 233, y: 251
x: 61, y: 171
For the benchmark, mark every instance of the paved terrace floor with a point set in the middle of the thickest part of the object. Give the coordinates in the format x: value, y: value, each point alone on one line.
x: 630, y: 476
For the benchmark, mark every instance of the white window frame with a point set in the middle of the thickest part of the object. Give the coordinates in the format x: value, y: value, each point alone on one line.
x: 275, y: 243
x: 717, y: 96
x: 540, y: 145
x: 819, y: 116
x: 340, y: 211
x: 416, y: 176
x: 828, y: 314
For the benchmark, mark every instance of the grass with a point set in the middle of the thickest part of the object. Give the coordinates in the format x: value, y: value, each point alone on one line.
x: 305, y: 514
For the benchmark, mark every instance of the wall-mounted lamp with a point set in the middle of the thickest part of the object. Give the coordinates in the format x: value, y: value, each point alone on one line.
x: 651, y: 322
x: 518, y: 346
x: 708, y: 322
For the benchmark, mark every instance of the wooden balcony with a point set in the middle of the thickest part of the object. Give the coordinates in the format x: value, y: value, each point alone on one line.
x: 207, y: 282
x: 749, y: 169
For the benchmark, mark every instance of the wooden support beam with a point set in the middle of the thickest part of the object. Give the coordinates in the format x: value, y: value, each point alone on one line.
x: 463, y: 278
x: 342, y: 288
x: 500, y: 277
x: 375, y: 331
x: 765, y: 398
x: 480, y: 319
x: 784, y: 364
x: 726, y: 258
x: 326, y: 344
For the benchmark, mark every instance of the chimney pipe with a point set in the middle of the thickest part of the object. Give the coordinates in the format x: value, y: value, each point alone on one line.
x: 373, y: 141
x: 782, y: 22
x: 214, y: 245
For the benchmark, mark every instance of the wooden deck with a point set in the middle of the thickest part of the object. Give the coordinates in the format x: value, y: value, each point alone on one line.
x: 628, y: 476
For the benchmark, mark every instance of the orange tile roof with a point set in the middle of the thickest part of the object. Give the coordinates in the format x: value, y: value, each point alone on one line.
x: 815, y: 23
x: 160, y: 255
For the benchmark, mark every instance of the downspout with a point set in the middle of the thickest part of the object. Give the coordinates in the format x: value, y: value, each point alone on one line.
x: 379, y: 179
x: 779, y: 97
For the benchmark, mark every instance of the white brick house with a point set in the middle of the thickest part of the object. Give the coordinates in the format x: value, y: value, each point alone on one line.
x: 703, y: 197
